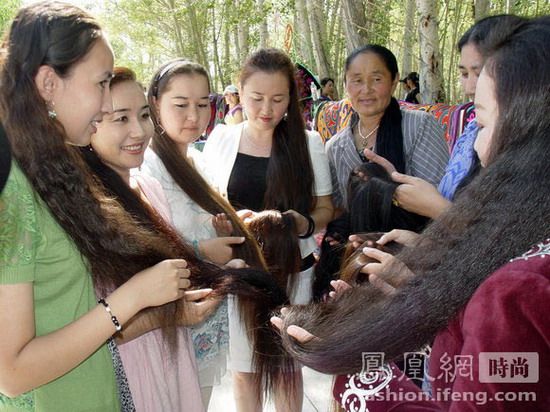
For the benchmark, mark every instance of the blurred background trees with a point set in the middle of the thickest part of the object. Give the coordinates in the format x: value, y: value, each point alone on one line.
x: 318, y: 33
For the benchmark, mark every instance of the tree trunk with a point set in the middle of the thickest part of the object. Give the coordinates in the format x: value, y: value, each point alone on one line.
x: 264, y: 34
x: 333, y: 19
x: 408, y: 38
x: 304, y: 31
x: 177, y: 30
x: 242, y: 31
x: 355, y: 23
x: 226, y: 50
x: 431, y: 80
x: 323, y: 67
x: 218, y: 79
x: 199, y: 49
x: 481, y: 9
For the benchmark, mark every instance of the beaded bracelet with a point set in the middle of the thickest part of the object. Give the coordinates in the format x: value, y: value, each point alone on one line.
x: 115, y: 321
x: 310, y: 227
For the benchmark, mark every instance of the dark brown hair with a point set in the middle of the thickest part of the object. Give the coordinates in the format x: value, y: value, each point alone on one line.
x: 370, y: 208
x: 499, y: 216
x: 60, y: 35
x: 277, y: 236
x: 354, y: 259
x: 269, y: 359
x: 183, y: 173
x: 258, y: 291
x: 289, y: 160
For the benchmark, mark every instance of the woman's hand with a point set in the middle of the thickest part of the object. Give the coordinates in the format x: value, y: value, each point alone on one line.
x: 160, y: 284
x: 246, y: 214
x: 236, y: 264
x: 419, y: 196
x: 413, y: 194
x: 302, y: 224
x: 357, y: 240
x: 198, y: 307
x: 376, y: 271
x: 382, y: 161
x: 222, y: 225
x: 298, y: 333
x: 339, y: 286
x: 401, y: 236
x: 218, y: 249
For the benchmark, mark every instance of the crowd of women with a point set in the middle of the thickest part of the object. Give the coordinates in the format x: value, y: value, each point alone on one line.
x: 134, y: 268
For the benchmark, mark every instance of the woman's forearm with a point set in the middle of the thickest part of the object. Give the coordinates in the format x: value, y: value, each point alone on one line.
x: 323, y: 212
x: 28, y: 361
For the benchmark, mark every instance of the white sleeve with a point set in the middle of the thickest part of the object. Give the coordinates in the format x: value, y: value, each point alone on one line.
x: 210, y: 155
x: 319, y: 161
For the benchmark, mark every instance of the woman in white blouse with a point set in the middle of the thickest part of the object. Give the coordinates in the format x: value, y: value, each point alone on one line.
x: 270, y: 162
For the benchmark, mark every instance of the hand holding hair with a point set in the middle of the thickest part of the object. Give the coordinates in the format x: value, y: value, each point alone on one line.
x: 218, y: 249
x: 357, y: 240
x: 298, y: 333
x: 400, y: 273
x: 222, y: 225
x: 198, y: 306
x: 339, y: 286
x: 161, y: 283
x: 401, y: 236
x: 236, y: 264
x: 382, y: 161
x: 418, y: 196
x: 246, y: 214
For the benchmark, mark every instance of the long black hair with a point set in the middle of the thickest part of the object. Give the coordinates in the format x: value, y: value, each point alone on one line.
x: 499, y: 216
x: 258, y: 291
x: 370, y: 208
x: 188, y: 179
x: 289, y: 160
x: 389, y: 140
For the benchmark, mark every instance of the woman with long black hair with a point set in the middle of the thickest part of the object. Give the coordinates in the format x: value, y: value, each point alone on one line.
x: 271, y: 162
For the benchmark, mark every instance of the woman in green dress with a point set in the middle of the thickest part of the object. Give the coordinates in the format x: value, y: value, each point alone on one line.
x: 57, y: 229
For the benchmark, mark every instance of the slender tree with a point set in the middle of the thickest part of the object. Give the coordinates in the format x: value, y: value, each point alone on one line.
x: 321, y: 61
x: 355, y: 23
x: 408, y: 38
x: 481, y: 8
x: 431, y: 79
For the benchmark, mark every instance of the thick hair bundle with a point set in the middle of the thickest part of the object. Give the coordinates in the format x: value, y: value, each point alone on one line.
x: 370, y: 209
x: 499, y: 216
x: 258, y: 291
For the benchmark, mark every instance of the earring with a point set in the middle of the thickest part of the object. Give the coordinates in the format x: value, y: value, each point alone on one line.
x: 285, y: 116
x: 52, y: 114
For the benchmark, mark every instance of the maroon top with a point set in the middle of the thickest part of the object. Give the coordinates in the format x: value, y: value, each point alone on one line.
x: 509, y: 312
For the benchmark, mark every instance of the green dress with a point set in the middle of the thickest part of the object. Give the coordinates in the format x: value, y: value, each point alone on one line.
x: 34, y: 248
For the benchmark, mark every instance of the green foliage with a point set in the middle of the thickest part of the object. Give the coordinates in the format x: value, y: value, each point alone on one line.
x: 8, y: 9
x: 147, y: 33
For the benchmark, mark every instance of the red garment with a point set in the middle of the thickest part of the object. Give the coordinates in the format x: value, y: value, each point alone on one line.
x: 509, y: 312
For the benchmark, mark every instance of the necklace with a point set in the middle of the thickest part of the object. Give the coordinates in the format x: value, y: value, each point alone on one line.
x: 369, y: 134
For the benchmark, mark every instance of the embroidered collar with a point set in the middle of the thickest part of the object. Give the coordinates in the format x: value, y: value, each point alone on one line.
x: 542, y: 250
